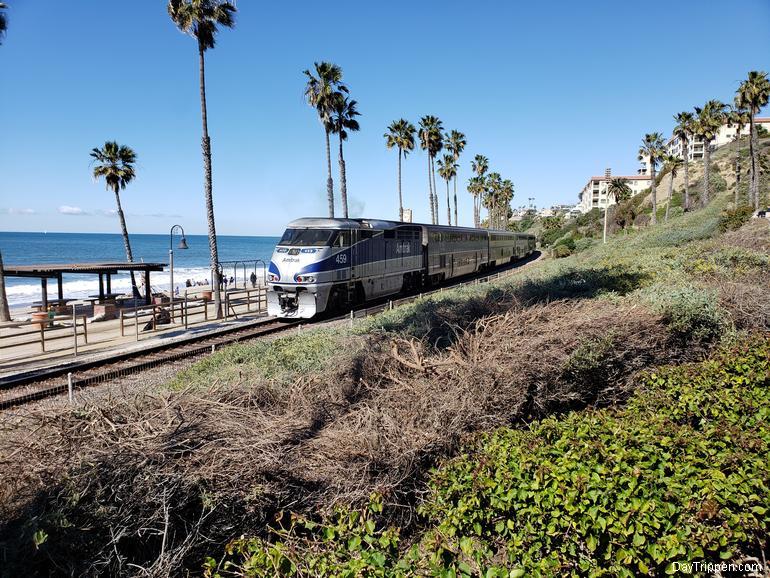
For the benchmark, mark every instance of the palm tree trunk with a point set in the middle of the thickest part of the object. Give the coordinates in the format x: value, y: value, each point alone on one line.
x: 127, y: 244
x: 737, y: 167
x: 329, y: 181
x: 604, y: 234
x: 343, y: 183
x: 455, y: 198
x: 5, y: 314
x: 435, y: 190
x: 753, y: 176
x: 706, y: 171
x: 400, y: 198
x: 654, y: 219
x: 686, y: 177
x: 670, y: 194
x: 430, y: 194
x: 206, y: 146
x: 448, y: 205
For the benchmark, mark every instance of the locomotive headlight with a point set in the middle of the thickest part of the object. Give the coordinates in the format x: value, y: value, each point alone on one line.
x: 273, y: 277
x: 305, y: 279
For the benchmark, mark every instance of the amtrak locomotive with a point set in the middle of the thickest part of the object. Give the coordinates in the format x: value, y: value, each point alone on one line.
x: 328, y: 264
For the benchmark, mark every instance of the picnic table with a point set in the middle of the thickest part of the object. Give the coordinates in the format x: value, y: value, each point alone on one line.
x: 106, y: 297
x: 38, y: 305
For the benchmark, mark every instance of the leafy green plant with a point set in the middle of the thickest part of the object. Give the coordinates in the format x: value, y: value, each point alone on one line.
x: 691, y: 313
x: 734, y: 217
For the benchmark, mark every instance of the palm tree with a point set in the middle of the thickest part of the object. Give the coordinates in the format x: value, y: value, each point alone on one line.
x: 479, y: 165
x: 673, y: 163
x: 342, y: 120
x: 738, y: 117
x: 684, y: 130
x: 3, y: 20
x: 115, y: 164
x: 506, y: 196
x: 400, y: 134
x: 456, y: 145
x: 320, y: 92
x: 476, y: 189
x: 492, y: 190
x: 201, y: 19
x: 753, y: 94
x: 710, y: 118
x: 432, y: 142
x: 447, y: 170
x: 653, y: 147
x: 619, y: 191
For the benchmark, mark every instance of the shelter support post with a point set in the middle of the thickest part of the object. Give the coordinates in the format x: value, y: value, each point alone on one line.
x: 44, y: 287
x: 147, y: 290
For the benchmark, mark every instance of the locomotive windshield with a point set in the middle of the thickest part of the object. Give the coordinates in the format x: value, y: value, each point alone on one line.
x: 310, y: 238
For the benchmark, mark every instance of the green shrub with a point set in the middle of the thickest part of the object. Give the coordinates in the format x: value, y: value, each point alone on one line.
x: 568, y: 242
x: 583, y: 244
x: 680, y: 475
x: 690, y: 313
x: 549, y: 237
x: 561, y: 251
x: 735, y: 217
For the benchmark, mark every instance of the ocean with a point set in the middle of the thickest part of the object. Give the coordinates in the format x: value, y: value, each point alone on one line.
x: 192, y: 263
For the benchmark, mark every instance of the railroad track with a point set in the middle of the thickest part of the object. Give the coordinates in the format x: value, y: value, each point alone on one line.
x: 35, y: 385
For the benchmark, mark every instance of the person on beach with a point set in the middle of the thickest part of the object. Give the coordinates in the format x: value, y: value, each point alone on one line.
x: 253, y: 279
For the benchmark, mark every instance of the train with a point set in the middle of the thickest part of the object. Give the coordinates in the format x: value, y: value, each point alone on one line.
x: 326, y: 264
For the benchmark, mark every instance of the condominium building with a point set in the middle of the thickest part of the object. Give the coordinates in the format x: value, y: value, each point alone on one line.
x: 725, y: 135
x: 594, y: 194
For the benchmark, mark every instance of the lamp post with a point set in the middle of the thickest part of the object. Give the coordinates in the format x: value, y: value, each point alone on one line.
x: 182, y: 245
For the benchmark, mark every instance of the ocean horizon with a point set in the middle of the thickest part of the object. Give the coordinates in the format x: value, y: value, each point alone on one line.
x: 22, y: 248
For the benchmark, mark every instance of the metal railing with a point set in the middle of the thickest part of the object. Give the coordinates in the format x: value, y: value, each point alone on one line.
x: 45, y: 331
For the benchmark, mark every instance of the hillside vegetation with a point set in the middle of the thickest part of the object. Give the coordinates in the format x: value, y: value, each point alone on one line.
x: 601, y: 414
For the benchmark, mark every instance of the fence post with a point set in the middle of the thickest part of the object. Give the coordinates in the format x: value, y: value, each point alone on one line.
x: 85, y: 328
x: 227, y: 304
x: 351, y: 319
x: 136, y: 323
x: 186, y: 312
x: 69, y: 388
x: 42, y: 337
x: 122, y: 332
x: 75, y: 328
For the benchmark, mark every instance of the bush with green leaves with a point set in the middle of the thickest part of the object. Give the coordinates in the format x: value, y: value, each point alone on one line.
x: 583, y: 244
x: 678, y: 475
x: 735, y: 217
x: 561, y: 251
x: 692, y: 314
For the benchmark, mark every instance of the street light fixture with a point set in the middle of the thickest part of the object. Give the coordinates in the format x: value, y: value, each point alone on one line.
x: 182, y: 245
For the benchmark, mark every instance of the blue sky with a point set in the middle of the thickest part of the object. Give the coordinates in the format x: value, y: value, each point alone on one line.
x: 551, y: 92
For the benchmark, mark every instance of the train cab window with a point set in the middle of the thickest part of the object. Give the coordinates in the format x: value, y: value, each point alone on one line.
x: 341, y: 239
x: 408, y: 233
x: 390, y: 234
